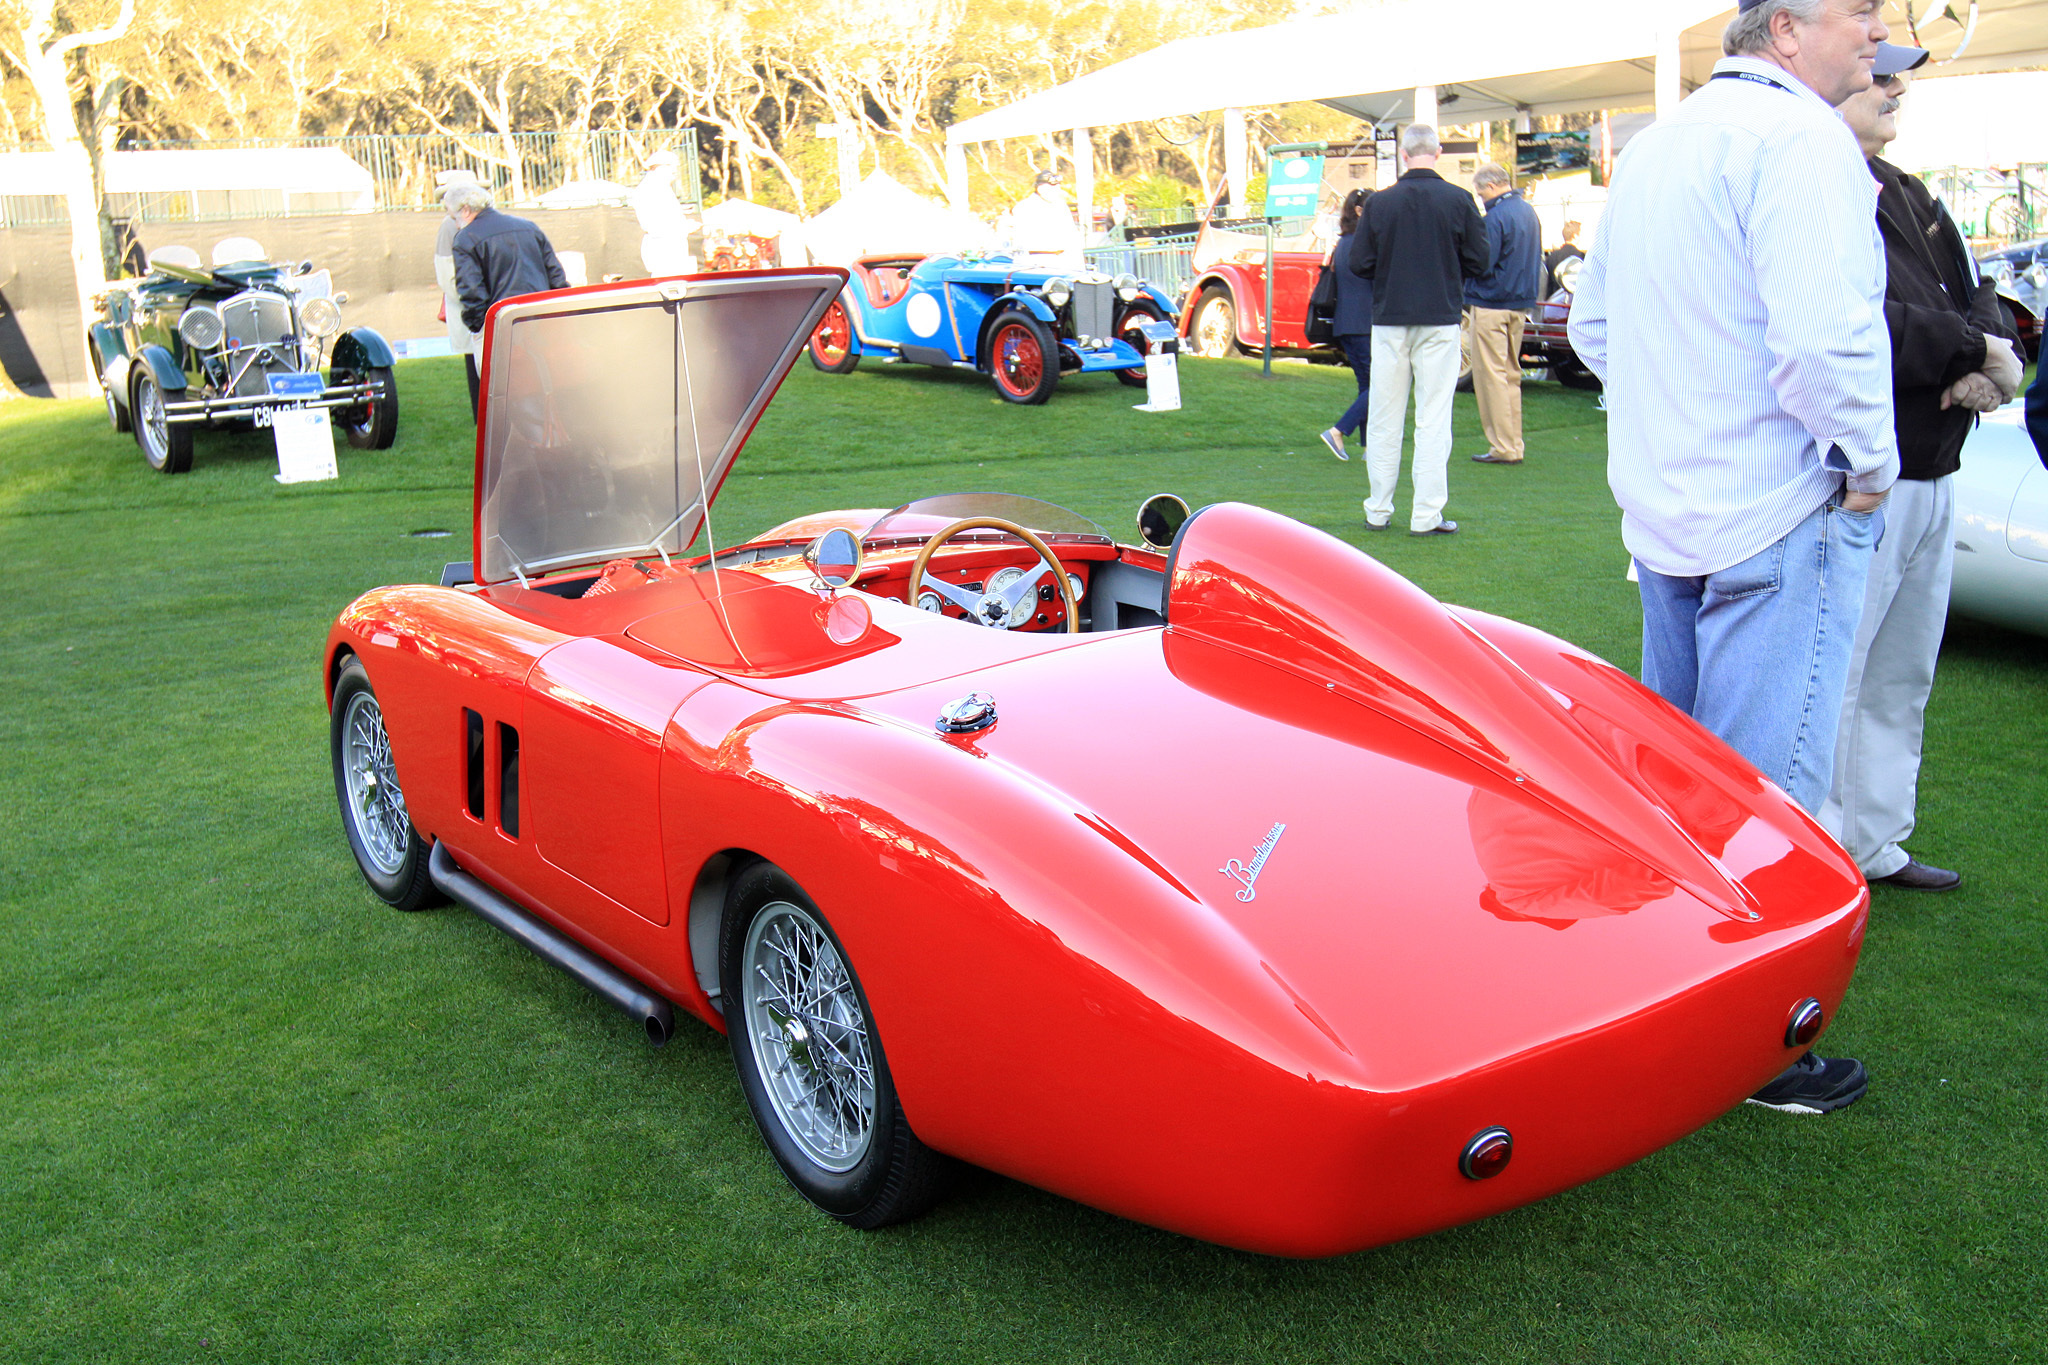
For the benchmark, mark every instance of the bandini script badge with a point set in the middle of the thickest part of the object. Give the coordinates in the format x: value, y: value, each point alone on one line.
x: 1247, y: 874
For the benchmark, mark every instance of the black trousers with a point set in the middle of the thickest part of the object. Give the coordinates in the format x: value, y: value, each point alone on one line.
x: 475, y: 384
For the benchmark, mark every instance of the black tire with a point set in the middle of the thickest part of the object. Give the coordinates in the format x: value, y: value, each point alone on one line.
x: 832, y: 345
x: 1568, y: 370
x: 166, y: 445
x: 117, y: 416
x: 1023, y: 357
x: 1138, y: 312
x: 372, y: 425
x: 885, y: 1177
x: 393, y: 862
x: 1212, y: 331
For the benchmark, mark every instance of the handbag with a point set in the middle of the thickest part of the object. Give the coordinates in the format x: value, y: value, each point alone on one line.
x: 1320, y: 327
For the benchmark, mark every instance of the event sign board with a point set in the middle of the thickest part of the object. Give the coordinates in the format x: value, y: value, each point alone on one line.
x: 1294, y: 182
x: 1538, y: 154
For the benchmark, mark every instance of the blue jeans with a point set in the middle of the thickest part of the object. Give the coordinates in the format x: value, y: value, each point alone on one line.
x: 1759, y: 652
x: 1358, y: 355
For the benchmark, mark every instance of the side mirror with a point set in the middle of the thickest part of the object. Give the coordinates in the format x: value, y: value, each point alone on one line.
x: 1160, y: 518
x: 834, y: 558
x: 305, y: 268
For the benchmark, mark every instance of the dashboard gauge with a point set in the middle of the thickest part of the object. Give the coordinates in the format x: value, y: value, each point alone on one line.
x: 1002, y: 580
x: 1080, y: 588
x: 930, y: 601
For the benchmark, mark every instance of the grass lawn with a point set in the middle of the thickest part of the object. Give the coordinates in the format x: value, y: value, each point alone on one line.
x: 248, y: 1114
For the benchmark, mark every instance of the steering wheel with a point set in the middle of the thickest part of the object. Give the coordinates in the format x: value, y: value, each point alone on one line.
x: 993, y: 608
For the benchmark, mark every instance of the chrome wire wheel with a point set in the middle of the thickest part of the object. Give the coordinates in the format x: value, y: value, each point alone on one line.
x: 375, y: 804
x: 156, y: 423
x: 809, y: 1036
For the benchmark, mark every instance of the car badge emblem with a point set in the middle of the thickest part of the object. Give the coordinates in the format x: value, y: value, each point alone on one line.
x: 1247, y: 874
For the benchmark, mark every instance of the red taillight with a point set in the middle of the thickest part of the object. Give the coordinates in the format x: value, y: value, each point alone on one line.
x: 1486, y: 1155
x: 1805, y: 1024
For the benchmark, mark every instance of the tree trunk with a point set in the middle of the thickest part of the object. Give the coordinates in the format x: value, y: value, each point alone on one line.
x: 46, y: 70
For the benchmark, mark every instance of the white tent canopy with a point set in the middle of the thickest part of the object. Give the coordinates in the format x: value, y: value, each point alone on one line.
x: 1476, y: 60
x: 1500, y: 57
x: 880, y: 214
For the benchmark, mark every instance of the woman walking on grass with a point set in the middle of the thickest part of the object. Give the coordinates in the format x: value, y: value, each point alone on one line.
x: 1353, y: 322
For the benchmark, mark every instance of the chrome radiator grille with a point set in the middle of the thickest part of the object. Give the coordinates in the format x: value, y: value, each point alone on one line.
x: 1094, y: 309
x: 261, y: 341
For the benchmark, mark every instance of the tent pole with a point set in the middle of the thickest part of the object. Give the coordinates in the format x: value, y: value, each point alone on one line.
x: 1667, y: 73
x: 1234, y: 159
x: 956, y: 176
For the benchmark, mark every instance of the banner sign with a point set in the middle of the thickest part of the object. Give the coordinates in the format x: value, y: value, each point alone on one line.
x: 1294, y: 183
x: 1538, y: 154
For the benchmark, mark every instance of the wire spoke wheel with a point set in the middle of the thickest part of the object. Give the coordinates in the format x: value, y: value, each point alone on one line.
x: 811, y: 1046
x: 375, y: 805
x: 832, y: 348
x: 1019, y: 361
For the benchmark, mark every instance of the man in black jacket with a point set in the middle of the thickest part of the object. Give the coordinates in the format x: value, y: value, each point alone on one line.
x: 1420, y: 240
x: 497, y: 257
x: 1953, y: 356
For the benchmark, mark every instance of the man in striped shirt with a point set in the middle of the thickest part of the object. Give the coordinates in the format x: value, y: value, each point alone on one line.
x: 1733, y: 305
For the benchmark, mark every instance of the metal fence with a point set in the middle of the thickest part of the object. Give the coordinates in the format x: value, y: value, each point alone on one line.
x: 519, y: 168
x: 1168, y: 262
x: 1993, y: 207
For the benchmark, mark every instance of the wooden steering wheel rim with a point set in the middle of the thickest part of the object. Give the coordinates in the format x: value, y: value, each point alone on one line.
x: 1029, y: 537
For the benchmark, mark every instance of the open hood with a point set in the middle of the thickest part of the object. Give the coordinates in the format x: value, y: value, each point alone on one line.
x: 613, y: 414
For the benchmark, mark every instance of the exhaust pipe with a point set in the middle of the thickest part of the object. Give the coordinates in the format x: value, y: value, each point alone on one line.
x: 655, y: 1014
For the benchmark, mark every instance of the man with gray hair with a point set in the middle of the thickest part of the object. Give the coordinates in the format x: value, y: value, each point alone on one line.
x: 1733, y: 305
x: 497, y: 257
x: 1418, y: 242
x: 1497, y: 306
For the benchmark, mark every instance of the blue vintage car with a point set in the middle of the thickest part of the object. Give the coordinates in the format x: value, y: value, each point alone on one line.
x: 1016, y: 321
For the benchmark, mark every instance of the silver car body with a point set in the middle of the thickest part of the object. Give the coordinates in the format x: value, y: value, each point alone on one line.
x: 2001, y: 531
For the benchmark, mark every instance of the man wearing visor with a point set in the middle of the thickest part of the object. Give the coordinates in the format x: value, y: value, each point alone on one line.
x: 1954, y: 355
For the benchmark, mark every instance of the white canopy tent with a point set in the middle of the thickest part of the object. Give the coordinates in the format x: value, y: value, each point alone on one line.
x: 880, y: 214
x: 1423, y: 61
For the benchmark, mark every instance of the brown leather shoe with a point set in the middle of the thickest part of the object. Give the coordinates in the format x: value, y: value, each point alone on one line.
x: 1918, y: 876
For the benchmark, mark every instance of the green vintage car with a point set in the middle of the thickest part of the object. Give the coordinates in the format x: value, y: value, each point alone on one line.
x: 189, y: 345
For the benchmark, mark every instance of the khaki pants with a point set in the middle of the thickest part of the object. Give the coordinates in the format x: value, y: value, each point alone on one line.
x: 1493, y: 338
x: 1429, y: 357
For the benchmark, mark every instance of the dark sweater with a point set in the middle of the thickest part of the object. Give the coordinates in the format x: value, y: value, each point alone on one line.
x: 1354, y: 293
x: 1515, y: 237
x: 1937, y: 317
x: 1420, y: 239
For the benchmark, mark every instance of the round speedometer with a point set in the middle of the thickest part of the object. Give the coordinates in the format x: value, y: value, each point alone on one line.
x: 930, y: 601
x: 1001, y: 581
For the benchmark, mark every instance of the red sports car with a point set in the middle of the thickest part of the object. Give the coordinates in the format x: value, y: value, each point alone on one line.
x: 1227, y: 882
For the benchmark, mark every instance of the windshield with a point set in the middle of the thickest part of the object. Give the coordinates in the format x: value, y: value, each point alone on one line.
x: 924, y: 518
x: 611, y: 415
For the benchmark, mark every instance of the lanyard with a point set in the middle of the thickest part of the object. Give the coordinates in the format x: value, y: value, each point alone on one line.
x: 1751, y: 77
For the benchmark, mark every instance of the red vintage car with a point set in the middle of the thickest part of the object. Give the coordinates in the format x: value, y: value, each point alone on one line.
x: 1223, y: 313
x: 1227, y: 882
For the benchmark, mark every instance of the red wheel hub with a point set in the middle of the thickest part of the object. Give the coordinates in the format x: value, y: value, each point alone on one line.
x: 829, y: 342
x: 1020, y: 360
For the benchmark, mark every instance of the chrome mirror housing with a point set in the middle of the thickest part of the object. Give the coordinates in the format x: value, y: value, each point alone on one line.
x: 834, y: 558
x: 1160, y: 518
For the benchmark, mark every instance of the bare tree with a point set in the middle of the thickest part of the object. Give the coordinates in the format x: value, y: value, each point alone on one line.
x: 46, y: 41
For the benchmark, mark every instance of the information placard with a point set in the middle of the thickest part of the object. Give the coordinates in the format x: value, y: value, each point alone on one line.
x: 305, y: 444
